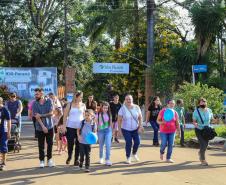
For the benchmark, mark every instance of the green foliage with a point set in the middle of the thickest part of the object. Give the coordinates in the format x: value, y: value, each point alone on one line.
x: 190, y: 93
x: 164, y: 76
x: 221, y: 131
x: 107, y: 31
x: 183, y: 57
x: 211, y: 26
x: 189, y: 134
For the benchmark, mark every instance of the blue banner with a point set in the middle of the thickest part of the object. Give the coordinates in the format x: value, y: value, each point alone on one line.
x: 23, y: 81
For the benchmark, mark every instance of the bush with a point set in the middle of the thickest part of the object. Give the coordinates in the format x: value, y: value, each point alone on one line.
x: 190, y: 93
x: 189, y: 134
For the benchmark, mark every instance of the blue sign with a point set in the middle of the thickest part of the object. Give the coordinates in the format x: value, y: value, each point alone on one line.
x: 111, y: 68
x: 199, y: 68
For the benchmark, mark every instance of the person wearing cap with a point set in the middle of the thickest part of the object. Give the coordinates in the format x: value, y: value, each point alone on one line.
x: 5, y: 130
x: 15, y: 107
x: 42, y: 110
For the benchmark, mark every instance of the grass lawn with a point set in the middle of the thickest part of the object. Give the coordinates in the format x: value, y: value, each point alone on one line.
x: 189, y: 134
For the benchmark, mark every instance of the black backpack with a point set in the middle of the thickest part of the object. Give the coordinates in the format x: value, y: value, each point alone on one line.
x: 83, y: 123
x: 2, y: 116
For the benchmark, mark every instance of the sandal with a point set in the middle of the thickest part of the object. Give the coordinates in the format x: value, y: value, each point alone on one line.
x: 204, y: 163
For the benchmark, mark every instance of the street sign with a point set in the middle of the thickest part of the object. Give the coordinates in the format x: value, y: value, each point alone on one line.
x: 111, y: 68
x: 70, y: 97
x: 199, y: 68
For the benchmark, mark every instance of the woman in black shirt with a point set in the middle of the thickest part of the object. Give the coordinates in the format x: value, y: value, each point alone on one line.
x: 114, y: 107
x: 91, y: 104
x: 152, y: 114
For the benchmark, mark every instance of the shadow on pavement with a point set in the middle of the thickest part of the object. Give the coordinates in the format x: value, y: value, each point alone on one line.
x: 30, y: 175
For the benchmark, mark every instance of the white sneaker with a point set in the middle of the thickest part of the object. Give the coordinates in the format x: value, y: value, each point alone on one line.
x: 42, y: 164
x: 169, y: 161
x: 135, y: 158
x: 51, y: 163
x: 128, y: 161
x: 101, y: 161
x: 108, y: 163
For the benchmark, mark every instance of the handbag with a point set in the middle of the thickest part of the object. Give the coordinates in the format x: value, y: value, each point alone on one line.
x: 133, y: 117
x: 208, y: 133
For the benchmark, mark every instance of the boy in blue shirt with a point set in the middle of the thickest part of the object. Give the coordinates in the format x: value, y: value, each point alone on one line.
x: 86, y: 127
x: 5, y: 130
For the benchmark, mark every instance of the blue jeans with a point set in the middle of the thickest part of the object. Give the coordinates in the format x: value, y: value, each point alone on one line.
x: 155, y: 127
x: 104, y: 137
x: 167, y: 139
x: 129, y: 136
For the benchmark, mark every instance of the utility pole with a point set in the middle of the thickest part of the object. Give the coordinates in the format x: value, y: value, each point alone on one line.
x: 69, y: 73
x: 65, y: 34
x: 150, y: 49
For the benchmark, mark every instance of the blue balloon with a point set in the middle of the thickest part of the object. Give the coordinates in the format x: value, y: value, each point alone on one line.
x: 168, y: 115
x: 91, y: 138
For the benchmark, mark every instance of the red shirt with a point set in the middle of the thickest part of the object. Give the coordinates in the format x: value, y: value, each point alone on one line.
x: 170, y: 126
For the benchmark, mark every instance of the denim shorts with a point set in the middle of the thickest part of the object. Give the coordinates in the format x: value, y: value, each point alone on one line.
x: 3, y: 142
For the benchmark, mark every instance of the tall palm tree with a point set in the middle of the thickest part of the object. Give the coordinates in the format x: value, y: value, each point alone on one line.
x: 111, y: 17
x: 208, y: 18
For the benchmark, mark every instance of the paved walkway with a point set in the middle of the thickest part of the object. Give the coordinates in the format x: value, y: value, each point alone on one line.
x: 22, y: 168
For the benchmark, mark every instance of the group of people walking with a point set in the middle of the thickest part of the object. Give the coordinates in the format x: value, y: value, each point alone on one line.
x: 70, y: 123
x: 202, y: 117
x: 77, y: 119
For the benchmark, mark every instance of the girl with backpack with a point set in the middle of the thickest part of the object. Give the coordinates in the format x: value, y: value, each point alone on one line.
x: 87, y: 126
x: 104, y: 126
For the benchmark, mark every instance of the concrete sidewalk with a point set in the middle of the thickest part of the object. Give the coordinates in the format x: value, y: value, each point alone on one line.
x: 27, y: 130
x: 22, y: 168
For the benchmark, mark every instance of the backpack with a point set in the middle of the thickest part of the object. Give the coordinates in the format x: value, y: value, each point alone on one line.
x: 2, y: 116
x: 83, y: 123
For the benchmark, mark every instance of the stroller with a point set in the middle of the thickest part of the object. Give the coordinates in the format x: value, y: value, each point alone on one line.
x: 14, y: 141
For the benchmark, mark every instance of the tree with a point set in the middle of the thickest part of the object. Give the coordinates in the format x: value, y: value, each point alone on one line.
x: 190, y: 93
x: 109, y: 17
x: 206, y: 29
x: 44, y: 14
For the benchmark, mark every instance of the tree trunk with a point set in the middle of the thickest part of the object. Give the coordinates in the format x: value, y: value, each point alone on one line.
x: 136, y: 26
x: 118, y: 41
x: 150, y: 50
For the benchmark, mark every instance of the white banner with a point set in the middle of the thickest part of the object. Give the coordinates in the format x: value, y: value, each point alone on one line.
x: 14, y: 75
x: 111, y: 68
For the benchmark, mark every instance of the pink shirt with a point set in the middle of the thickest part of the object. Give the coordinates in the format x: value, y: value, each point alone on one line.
x: 30, y: 105
x: 102, y: 124
x: 170, y: 126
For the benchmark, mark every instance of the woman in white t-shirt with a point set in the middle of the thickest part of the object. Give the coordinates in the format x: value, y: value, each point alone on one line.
x: 130, y: 122
x: 73, y: 115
